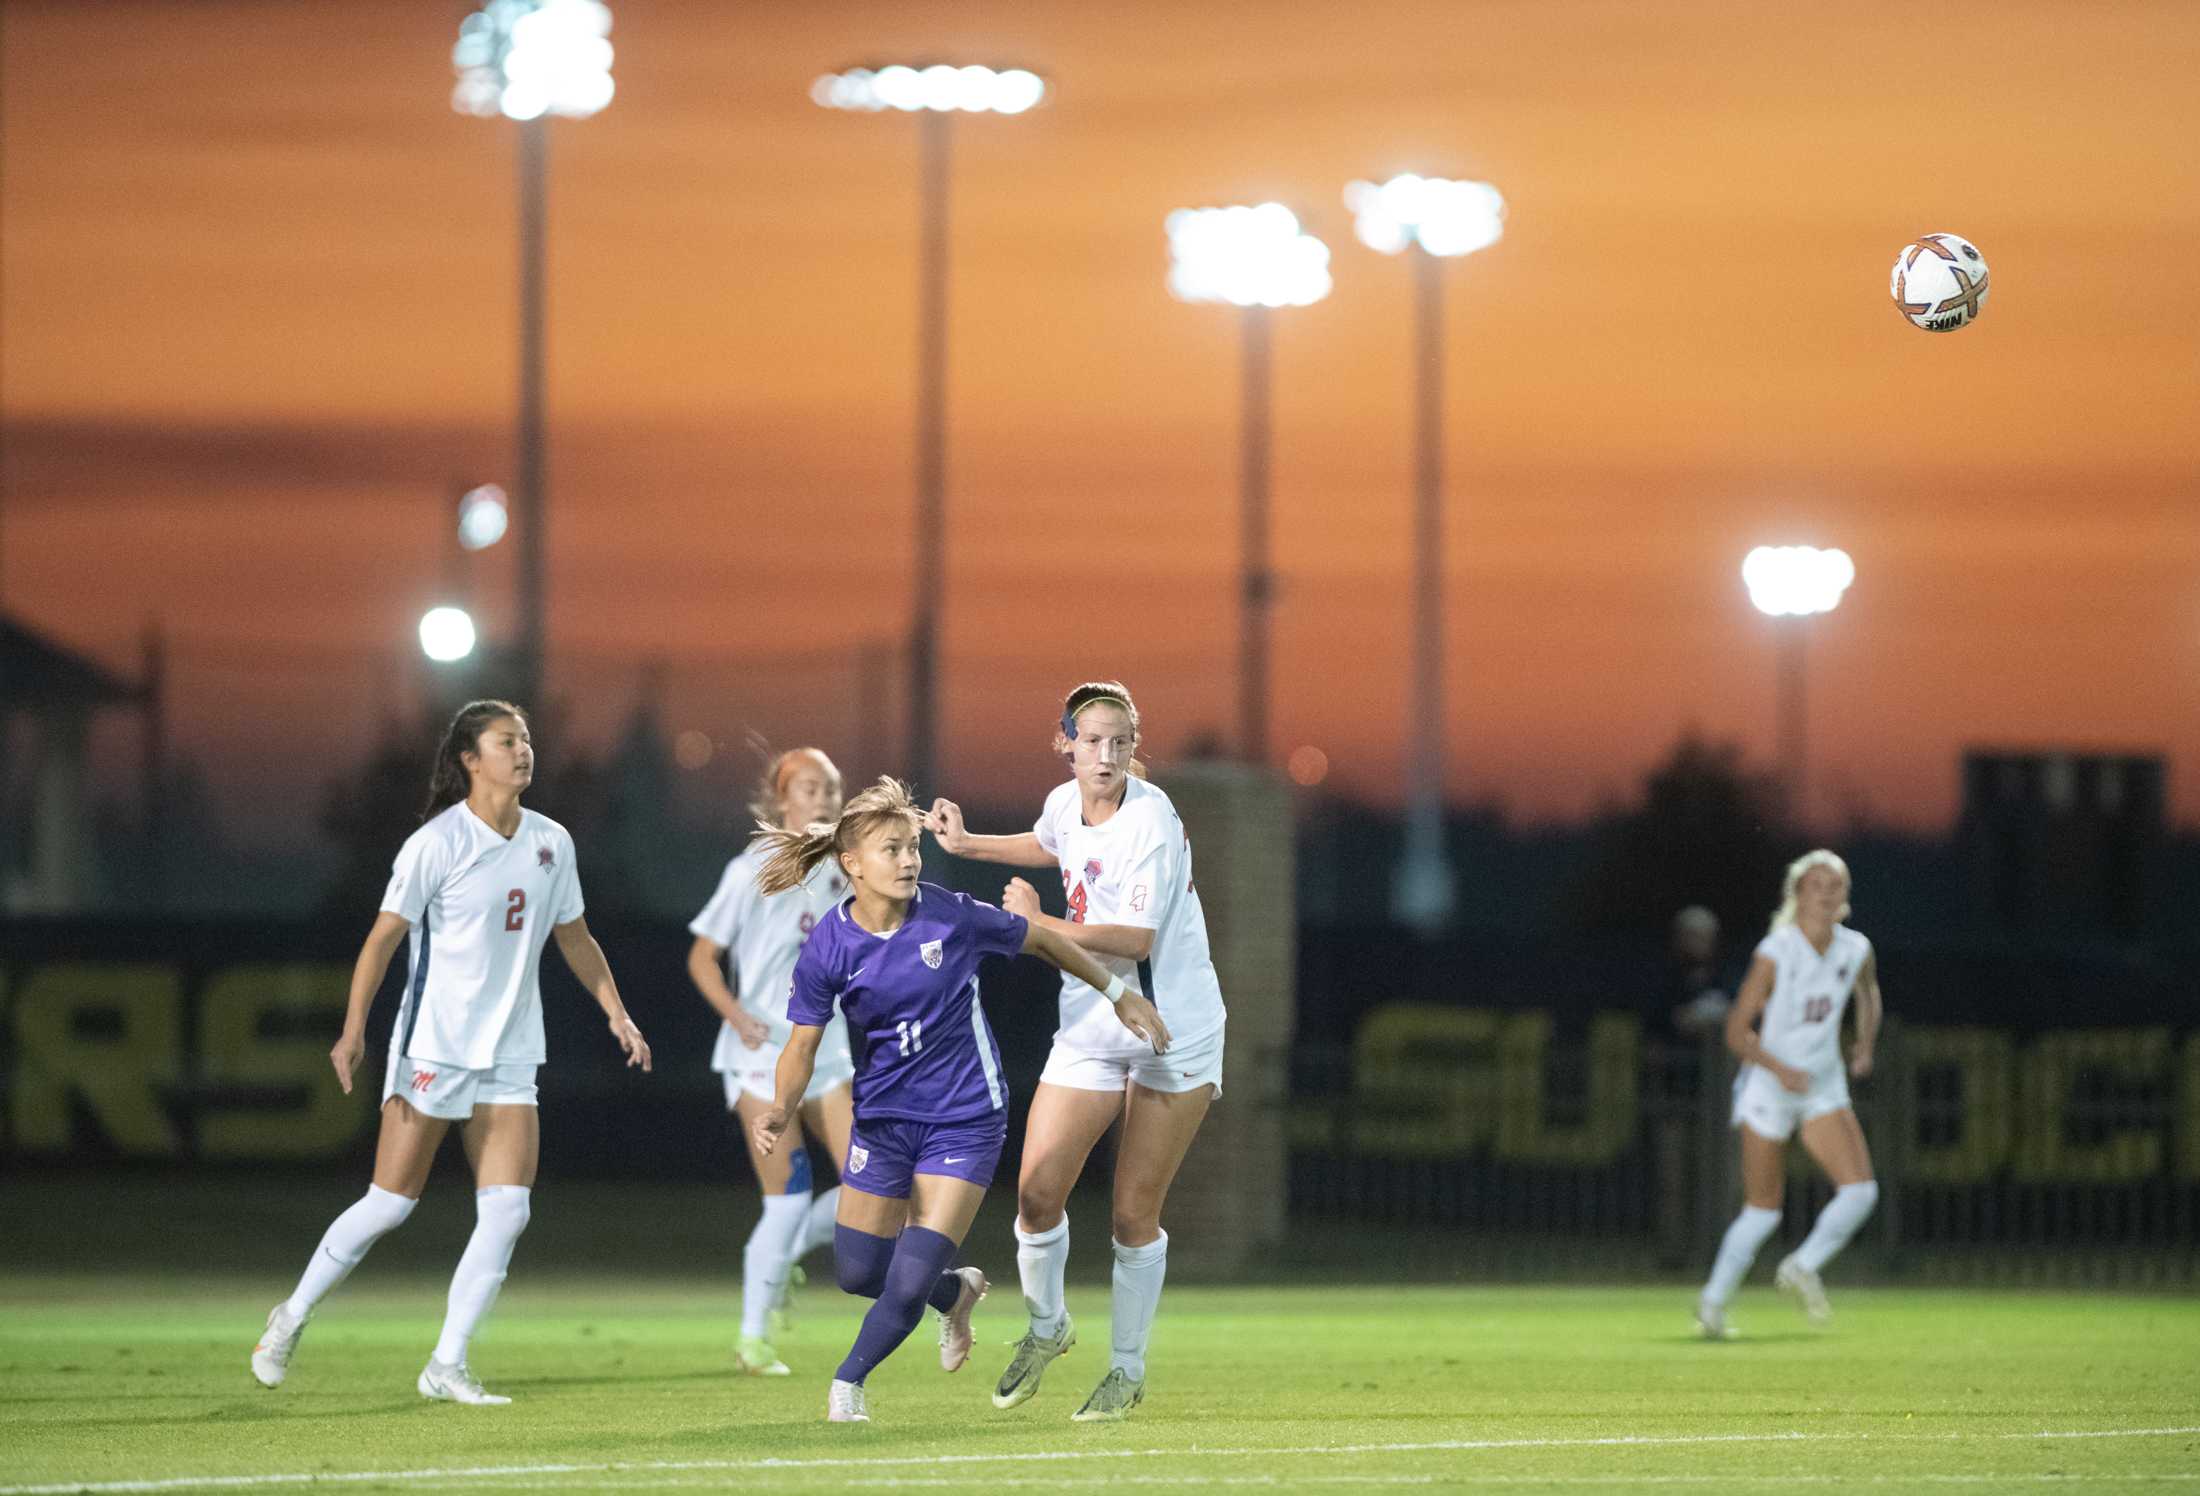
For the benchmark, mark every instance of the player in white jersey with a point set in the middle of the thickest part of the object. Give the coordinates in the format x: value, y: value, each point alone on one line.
x: 1793, y: 1080
x: 765, y: 933
x: 481, y: 887
x: 1126, y: 870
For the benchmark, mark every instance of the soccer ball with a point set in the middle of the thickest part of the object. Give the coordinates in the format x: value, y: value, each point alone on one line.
x: 1940, y: 282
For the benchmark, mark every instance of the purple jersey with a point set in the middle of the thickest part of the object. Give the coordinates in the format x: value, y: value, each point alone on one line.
x: 922, y: 1047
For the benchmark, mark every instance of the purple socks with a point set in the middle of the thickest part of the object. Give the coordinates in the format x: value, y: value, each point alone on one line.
x: 903, y: 1274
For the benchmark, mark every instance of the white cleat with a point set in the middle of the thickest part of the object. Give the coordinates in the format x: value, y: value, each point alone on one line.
x: 1711, y: 1321
x: 271, y: 1357
x: 1808, y: 1288
x: 441, y: 1383
x: 846, y: 1404
x: 955, y: 1322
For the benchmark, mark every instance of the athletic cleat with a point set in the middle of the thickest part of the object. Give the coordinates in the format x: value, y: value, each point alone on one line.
x: 754, y: 1356
x: 1711, y: 1322
x: 1112, y: 1400
x: 955, y: 1322
x: 271, y: 1357
x: 1808, y: 1288
x: 441, y: 1383
x: 846, y: 1404
x: 1034, y: 1354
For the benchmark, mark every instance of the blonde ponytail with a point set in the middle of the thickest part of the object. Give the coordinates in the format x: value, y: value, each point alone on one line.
x: 789, y: 855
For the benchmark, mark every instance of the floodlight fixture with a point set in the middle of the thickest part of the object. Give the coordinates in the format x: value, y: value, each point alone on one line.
x: 1795, y: 581
x: 524, y: 59
x: 1444, y: 217
x: 446, y: 634
x: 940, y: 87
x: 1245, y: 256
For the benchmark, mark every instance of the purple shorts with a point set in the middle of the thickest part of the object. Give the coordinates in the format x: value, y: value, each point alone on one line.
x: 884, y: 1154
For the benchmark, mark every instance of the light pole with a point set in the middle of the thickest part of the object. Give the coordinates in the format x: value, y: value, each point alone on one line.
x: 938, y: 93
x: 1791, y: 584
x: 1255, y: 259
x: 527, y: 60
x: 1430, y: 219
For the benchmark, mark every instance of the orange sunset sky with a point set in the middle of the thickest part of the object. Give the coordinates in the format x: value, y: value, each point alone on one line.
x: 257, y: 316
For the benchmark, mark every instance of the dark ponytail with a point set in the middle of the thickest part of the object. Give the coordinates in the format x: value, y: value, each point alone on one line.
x: 450, y: 782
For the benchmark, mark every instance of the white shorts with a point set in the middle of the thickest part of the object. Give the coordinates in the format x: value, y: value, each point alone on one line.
x: 1186, y: 1067
x: 1771, y: 1110
x: 757, y: 1072
x: 435, y: 1089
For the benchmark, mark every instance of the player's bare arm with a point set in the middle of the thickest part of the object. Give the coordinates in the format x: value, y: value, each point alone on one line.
x: 1867, y: 1018
x: 1741, y: 1026
x: 707, y: 970
x: 797, y: 1062
x: 586, y: 958
x: 381, y: 944
x: 1132, y: 1008
x: 945, y: 821
x: 1128, y: 942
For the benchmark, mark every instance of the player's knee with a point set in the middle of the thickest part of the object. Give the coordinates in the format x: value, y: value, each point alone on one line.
x: 1137, y: 1217
x: 507, y: 1207
x: 1038, y: 1209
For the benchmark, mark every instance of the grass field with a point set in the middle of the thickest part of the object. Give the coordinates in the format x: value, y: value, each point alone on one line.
x: 137, y: 1384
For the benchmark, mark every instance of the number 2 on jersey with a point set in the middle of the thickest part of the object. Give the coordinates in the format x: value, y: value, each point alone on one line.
x: 514, y: 916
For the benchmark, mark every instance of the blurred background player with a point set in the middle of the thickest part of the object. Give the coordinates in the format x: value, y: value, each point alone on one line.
x: 899, y: 959
x: 1127, y: 873
x: 481, y: 886
x: 765, y: 934
x: 1799, y: 982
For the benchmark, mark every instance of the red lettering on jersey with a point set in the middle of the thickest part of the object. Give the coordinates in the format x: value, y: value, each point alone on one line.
x: 517, y: 899
x: 422, y: 1079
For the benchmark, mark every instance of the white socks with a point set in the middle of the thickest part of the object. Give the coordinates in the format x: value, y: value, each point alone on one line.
x: 1737, y: 1251
x: 501, y: 1212
x: 1846, y: 1211
x: 1138, y: 1275
x: 817, y: 1226
x: 1040, y: 1258
x: 373, y: 1216
x: 772, y: 1247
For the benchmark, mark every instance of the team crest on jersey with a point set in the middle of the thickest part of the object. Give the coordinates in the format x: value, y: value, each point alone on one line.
x: 1841, y: 974
x: 858, y: 1156
x: 1092, y: 870
x: 932, y: 953
x: 544, y: 857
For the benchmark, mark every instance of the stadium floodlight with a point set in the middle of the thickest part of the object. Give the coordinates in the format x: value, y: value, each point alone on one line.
x: 446, y: 634
x: 1257, y: 256
x: 531, y: 61
x: 1435, y: 219
x: 935, y: 92
x: 1795, y: 581
x: 1793, y: 584
x: 1444, y: 217
x: 940, y: 87
x: 1256, y: 259
x: 524, y: 59
x: 482, y: 517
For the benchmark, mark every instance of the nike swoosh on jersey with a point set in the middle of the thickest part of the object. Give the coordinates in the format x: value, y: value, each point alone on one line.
x: 965, y: 1159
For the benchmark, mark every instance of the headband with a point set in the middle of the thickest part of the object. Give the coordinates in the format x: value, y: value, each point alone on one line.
x: 1069, y: 714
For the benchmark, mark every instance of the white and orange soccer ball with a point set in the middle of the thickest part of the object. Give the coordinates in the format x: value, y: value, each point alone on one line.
x: 1940, y: 282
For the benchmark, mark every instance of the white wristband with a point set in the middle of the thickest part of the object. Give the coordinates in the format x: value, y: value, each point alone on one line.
x: 1115, y: 989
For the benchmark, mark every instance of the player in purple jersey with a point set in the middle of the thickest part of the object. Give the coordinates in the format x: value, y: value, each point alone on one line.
x: 900, y: 959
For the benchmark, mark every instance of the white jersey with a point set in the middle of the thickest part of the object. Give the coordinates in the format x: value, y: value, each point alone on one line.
x: 1802, y: 1021
x: 764, y: 933
x: 1134, y: 869
x: 481, y: 908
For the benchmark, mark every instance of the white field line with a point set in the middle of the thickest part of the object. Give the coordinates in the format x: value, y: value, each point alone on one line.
x: 1052, y: 1456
